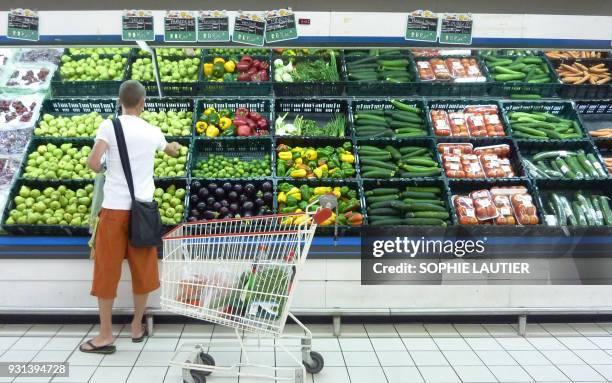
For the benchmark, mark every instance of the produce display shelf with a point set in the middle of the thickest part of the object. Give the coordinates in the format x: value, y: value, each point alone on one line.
x: 233, y: 88
x: 63, y: 88
x: 381, y: 87
x: 585, y: 90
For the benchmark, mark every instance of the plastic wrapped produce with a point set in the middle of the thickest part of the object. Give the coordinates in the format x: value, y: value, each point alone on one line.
x: 14, y: 141
x: 37, y: 55
x: 19, y: 111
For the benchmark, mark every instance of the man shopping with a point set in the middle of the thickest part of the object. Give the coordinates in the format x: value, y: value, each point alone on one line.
x: 112, y: 243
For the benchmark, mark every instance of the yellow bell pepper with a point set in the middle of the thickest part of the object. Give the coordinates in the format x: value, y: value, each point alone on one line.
x: 225, y: 122
x: 219, y: 60
x: 209, y: 110
x: 298, y: 211
x: 285, y: 156
x: 337, y: 192
x: 296, y: 149
x: 320, y: 190
x: 201, y: 127
x: 282, y: 197
x: 300, y: 219
x: 311, y: 155
x: 318, y: 172
x: 330, y: 220
x: 299, y: 161
x: 229, y: 66
x: 208, y: 67
x: 212, y: 131
x: 299, y: 173
x: 348, y: 158
x: 295, y: 193
x: 288, y: 220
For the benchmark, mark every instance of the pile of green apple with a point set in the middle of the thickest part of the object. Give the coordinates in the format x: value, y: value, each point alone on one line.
x: 170, y: 202
x: 63, y: 162
x: 171, y: 123
x: 51, y: 206
x: 92, y: 68
x: 184, y: 70
x: 82, y: 125
x: 166, y: 166
x: 99, y: 51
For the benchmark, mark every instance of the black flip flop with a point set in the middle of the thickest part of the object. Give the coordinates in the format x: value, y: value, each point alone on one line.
x: 145, y: 334
x: 106, y: 350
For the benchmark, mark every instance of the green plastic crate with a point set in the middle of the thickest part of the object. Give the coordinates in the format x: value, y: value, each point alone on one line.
x: 373, y: 104
x: 451, y: 88
x: 262, y: 106
x: 458, y: 105
x: 235, y: 88
x: 305, y: 89
x: 67, y: 107
x: 189, y: 88
x: 62, y: 88
x: 587, y: 90
x: 381, y: 87
x: 320, y: 110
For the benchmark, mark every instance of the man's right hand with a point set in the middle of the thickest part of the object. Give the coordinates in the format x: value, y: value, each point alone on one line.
x: 172, y: 149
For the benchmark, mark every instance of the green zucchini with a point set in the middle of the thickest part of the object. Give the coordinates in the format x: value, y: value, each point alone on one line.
x: 605, y: 208
x: 395, y: 154
x: 384, y: 211
x: 426, y: 189
x: 420, y: 162
x: 378, y: 164
x: 422, y: 200
x: 380, y: 198
x: 424, y: 222
x: 579, y: 214
x: 385, y: 221
x: 382, y: 191
x: 422, y: 206
x: 560, y: 210
x: 408, y: 108
x: 427, y: 214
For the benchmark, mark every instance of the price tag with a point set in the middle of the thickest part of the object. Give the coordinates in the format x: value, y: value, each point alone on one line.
x: 137, y: 25
x: 249, y: 29
x: 213, y: 26
x: 421, y: 28
x: 180, y: 26
x: 22, y: 24
x: 280, y: 25
x: 456, y: 30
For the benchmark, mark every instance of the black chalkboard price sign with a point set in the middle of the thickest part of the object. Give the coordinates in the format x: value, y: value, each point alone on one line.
x: 249, y: 30
x: 280, y: 26
x: 22, y: 25
x: 456, y: 31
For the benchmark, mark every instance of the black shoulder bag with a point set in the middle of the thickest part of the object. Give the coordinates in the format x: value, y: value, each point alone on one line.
x: 145, y: 222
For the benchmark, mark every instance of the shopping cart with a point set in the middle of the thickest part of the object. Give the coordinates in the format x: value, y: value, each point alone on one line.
x: 241, y: 273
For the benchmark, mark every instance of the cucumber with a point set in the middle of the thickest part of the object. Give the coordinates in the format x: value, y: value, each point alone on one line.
x: 382, y: 191
x: 370, y: 117
x: 371, y: 148
x: 418, y: 194
x: 378, y: 164
x: 415, y: 153
x: 605, y: 208
x: 404, y: 124
x: 529, y: 131
x: 586, y: 164
x: 406, y: 117
x: 420, y: 161
x: 550, y: 155
x: 420, y: 169
x: 377, y: 157
x: 587, y: 208
x: 384, y: 211
x: 571, y: 218
x: 424, y: 222
x: 428, y: 214
x: 597, y: 165
x: 369, y: 122
x: 599, y: 215
x: 409, y: 130
x: 422, y: 206
x: 573, y: 163
x: 395, y: 154
x: 377, y: 112
x: 408, y: 108
x: 409, y: 149
x: 380, y: 173
x: 425, y: 189
x: 579, y: 214
x: 565, y: 168
x: 422, y: 200
x: 405, y: 174
x: 385, y: 221
x: 410, y: 135
x: 559, y: 209
x: 380, y: 198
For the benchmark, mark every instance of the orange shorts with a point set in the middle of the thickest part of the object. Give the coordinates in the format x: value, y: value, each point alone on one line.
x: 112, y: 247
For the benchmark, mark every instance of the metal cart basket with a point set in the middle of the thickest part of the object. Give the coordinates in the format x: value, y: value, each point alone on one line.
x: 240, y: 273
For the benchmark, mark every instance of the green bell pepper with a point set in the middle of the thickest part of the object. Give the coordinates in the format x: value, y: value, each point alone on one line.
x: 281, y: 168
x: 285, y: 187
x: 303, y: 205
x: 291, y: 201
x: 306, y: 192
x: 218, y: 71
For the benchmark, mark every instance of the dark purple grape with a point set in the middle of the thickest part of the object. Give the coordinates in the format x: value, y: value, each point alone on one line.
x: 225, y: 203
x: 196, y: 185
x: 247, y: 206
x: 243, y: 198
x: 192, y: 219
x: 216, y: 206
x: 223, y: 211
x: 193, y: 199
x: 219, y: 192
x: 247, y: 213
x: 268, y: 196
x: 194, y: 213
x: 208, y: 214
x: 259, y: 202
x: 210, y: 201
x: 266, y: 186
x: 201, y: 206
x: 203, y: 193
x: 238, y: 188
x: 233, y: 207
x: 232, y: 196
x: 227, y: 186
x: 249, y: 189
x: 212, y: 187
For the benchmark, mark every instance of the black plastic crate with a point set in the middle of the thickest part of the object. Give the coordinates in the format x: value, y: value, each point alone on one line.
x: 529, y: 148
x: 67, y: 107
x: 262, y: 106
x: 585, y: 107
x: 245, y: 150
x: 463, y: 187
x: 518, y: 88
x: 234, y: 88
x: 219, y: 183
x: 316, y: 143
x: 382, y: 87
x: 62, y: 88
x: 427, y: 143
x: 566, y: 188
x: 155, y: 104
x: 458, y: 105
x: 514, y: 157
x: 186, y: 142
x: 305, y: 89
x: 401, y: 185
x: 317, y: 109
x: 596, y: 115
x: 586, y: 90
x: 604, y: 148
x: 172, y: 88
x: 329, y: 230
x: 562, y: 109
x: 178, y: 183
x: 374, y: 104
x: 35, y: 142
x: 50, y: 229
x: 451, y: 88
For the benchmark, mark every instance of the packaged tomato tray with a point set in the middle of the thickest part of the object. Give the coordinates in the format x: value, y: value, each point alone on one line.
x: 462, y: 160
x: 450, y: 69
x: 508, y: 205
x: 472, y: 121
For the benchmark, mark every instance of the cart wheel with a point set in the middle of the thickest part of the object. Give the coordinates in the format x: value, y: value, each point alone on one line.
x: 198, y: 376
x: 317, y: 363
x: 206, y: 360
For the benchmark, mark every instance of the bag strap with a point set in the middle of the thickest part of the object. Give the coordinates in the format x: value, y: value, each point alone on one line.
x: 123, y: 154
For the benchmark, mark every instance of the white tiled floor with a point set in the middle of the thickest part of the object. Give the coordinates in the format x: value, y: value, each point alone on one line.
x: 370, y: 353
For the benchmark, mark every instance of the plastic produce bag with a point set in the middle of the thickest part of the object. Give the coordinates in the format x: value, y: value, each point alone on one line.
x: 19, y: 111
x: 29, y: 78
x: 14, y: 141
x: 37, y: 55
